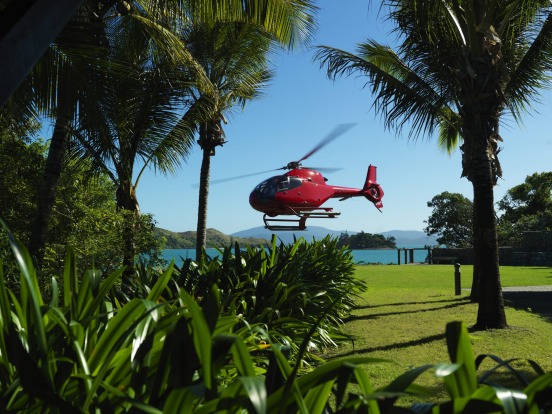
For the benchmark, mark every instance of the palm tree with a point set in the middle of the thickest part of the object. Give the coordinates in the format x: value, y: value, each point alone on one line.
x: 58, y: 85
x: 234, y: 59
x: 460, y: 66
x: 135, y: 123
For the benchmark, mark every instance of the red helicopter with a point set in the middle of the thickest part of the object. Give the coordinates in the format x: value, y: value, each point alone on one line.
x: 301, y: 191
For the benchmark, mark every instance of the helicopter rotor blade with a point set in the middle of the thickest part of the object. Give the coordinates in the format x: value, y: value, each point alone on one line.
x: 337, y: 131
x: 237, y: 177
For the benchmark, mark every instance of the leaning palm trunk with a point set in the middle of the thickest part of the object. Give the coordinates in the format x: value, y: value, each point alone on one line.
x: 201, y: 235
x: 48, y: 189
x: 211, y: 136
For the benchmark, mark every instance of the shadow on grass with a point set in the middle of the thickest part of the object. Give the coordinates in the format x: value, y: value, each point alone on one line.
x: 533, y: 301
x: 397, y: 345
x: 411, y: 303
x: 456, y: 304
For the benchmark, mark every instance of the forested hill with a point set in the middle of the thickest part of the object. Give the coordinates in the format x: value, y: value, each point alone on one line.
x: 187, y: 239
x: 366, y: 241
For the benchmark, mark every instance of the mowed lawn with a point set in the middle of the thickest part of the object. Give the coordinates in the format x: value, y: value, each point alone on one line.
x: 403, y: 314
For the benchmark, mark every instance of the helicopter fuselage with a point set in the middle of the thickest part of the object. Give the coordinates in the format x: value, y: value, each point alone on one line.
x: 302, y: 190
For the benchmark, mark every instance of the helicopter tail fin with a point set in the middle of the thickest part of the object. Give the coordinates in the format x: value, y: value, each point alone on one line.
x: 372, y: 190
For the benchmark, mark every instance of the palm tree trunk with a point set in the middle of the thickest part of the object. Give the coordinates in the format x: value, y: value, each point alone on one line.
x: 491, y: 303
x: 48, y: 189
x: 128, y: 203
x: 474, y: 294
x: 201, y: 235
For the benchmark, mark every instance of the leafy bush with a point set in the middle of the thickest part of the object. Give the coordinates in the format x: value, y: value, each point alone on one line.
x: 284, y: 288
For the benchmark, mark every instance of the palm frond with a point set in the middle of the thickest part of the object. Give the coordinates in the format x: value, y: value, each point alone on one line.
x: 533, y: 69
x: 401, y: 96
x: 291, y: 22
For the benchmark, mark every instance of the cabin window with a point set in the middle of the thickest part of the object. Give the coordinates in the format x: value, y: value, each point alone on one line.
x: 288, y: 183
x: 283, y: 184
x: 294, y: 182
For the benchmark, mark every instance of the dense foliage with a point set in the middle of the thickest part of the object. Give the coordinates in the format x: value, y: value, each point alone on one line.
x: 525, y: 207
x: 84, y: 215
x: 451, y: 220
x: 21, y: 163
x: 366, y: 241
x: 165, y: 352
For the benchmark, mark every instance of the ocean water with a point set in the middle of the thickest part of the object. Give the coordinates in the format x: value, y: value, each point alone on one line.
x: 368, y: 256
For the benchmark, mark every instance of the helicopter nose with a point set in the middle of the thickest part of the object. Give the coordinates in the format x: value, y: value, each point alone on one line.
x: 259, y: 201
x: 253, y: 200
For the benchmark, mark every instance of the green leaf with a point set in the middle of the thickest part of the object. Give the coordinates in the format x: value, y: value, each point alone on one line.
x: 161, y: 284
x: 31, y: 301
x: 242, y: 359
x: 256, y: 392
x: 179, y: 401
x: 115, y: 334
x: 513, y: 402
x: 201, y: 337
x: 70, y: 283
x: 463, y: 381
x: 317, y: 398
x: 539, y: 393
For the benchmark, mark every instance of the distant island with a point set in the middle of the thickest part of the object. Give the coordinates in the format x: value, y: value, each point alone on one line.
x: 259, y: 236
x: 363, y: 240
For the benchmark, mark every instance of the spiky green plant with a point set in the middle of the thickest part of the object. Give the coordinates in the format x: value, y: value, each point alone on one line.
x: 85, y: 352
x: 284, y: 288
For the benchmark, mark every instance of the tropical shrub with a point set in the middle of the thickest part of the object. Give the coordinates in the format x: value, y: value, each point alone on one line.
x: 285, y: 288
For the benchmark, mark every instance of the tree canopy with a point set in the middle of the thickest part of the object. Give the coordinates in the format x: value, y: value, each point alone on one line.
x: 451, y: 220
x: 525, y: 207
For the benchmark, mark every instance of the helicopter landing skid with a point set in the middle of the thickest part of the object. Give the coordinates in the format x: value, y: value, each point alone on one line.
x: 322, y: 212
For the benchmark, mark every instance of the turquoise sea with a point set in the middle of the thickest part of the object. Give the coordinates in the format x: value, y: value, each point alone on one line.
x: 369, y: 256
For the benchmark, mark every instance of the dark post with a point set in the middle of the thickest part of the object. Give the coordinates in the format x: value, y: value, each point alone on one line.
x: 411, y: 255
x: 457, y: 285
x: 398, y: 256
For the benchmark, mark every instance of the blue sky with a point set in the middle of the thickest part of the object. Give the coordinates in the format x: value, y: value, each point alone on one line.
x: 298, y: 109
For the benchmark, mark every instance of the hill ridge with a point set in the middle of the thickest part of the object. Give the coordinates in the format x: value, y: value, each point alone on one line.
x: 259, y: 236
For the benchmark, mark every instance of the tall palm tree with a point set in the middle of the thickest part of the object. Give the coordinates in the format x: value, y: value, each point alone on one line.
x: 59, y: 85
x: 135, y: 124
x: 234, y: 59
x: 460, y: 66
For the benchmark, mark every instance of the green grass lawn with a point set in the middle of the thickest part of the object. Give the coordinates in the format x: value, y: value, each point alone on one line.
x: 403, y: 314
